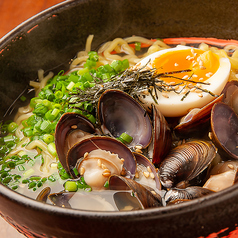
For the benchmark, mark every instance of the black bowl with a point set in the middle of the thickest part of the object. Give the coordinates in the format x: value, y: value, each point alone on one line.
x: 48, y: 41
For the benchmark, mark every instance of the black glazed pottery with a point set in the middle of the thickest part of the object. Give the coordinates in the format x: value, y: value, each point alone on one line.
x: 48, y: 41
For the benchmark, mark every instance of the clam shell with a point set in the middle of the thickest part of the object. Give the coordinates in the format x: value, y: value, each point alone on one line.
x: 162, y: 137
x: 120, y: 113
x: 65, y: 133
x: 185, y: 162
x: 141, y: 159
x: 78, y: 151
x: 146, y: 198
x: 189, y: 193
x: 224, y: 125
x: 197, y: 121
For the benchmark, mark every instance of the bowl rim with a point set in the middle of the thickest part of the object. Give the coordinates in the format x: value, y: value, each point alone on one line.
x: 25, y: 201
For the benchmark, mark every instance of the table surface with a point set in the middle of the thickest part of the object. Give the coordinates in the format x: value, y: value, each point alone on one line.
x: 12, y: 13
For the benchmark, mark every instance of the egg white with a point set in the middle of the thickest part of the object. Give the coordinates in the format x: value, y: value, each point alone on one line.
x: 173, y: 106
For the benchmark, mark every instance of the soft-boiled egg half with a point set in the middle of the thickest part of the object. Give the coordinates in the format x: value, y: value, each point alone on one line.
x: 189, y: 77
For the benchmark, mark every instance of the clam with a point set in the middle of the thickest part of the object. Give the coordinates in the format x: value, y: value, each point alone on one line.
x: 231, y: 95
x: 224, y: 125
x: 162, y: 137
x: 43, y: 195
x: 197, y: 121
x: 95, y: 200
x: 185, y: 162
x: 222, y: 176
x: 70, y: 129
x: 189, y: 193
x: 61, y: 199
x: 146, y: 173
x: 145, y: 196
x: 98, y: 157
x: 119, y: 113
x: 109, y: 200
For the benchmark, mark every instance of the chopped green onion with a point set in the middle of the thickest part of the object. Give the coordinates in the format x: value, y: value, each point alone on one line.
x: 70, y: 186
x: 4, y: 174
x: 15, y: 187
x: 21, y: 167
x: 137, y: 46
x: 48, y: 138
x: 91, y: 118
x: 29, y: 172
x: 125, y: 138
x: 40, y: 109
x: 35, y: 178
x: 17, y: 177
x: 51, y: 148
x: 46, y: 103
x: 58, y: 94
x: 45, y: 126
x: 7, y: 180
x: 82, y: 71
x: 32, y: 185
x: 8, y: 138
x: 12, y: 127
x: 25, y: 181
x: 106, y: 184
x: 11, y: 164
x: 51, y: 178
x: 70, y: 86
x: 23, y: 98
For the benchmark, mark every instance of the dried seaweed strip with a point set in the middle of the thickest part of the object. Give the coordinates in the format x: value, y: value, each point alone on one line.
x: 133, y: 81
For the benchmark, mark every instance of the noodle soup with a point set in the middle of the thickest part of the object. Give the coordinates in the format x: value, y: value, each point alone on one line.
x: 37, y: 154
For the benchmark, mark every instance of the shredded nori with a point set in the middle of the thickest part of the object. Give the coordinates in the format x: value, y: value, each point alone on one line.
x: 134, y: 81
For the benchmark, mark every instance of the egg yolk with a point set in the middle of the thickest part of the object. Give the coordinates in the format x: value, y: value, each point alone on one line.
x: 200, y: 64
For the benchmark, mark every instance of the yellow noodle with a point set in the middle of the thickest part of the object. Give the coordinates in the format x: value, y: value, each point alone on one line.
x: 25, y: 109
x: 37, y: 143
x: 78, y: 61
x: 138, y: 39
x: 47, y: 161
x: 22, y: 110
x: 104, y: 47
x: 235, y: 54
x: 19, y: 147
x: 19, y: 133
x: 34, y: 84
x: 82, y: 53
x: 161, y: 44
x: 43, y: 146
x: 203, y: 46
x: 40, y: 74
x: 89, y: 43
x: 227, y: 48
x: 43, y: 80
x: 23, y: 117
x: 116, y: 42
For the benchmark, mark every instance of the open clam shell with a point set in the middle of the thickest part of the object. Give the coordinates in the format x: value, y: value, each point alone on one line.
x: 70, y: 129
x: 231, y: 95
x: 197, y: 121
x: 147, y: 198
x: 78, y: 151
x: 224, y: 125
x: 120, y: 113
x: 162, y: 137
x: 149, y: 172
